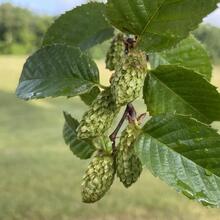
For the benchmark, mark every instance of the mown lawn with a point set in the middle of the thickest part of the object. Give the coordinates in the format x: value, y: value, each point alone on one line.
x: 40, y: 178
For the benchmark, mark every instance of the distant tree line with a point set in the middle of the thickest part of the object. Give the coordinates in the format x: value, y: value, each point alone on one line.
x: 210, y: 37
x: 22, y: 31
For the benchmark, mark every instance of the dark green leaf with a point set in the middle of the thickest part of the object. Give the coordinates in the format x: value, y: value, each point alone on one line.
x: 188, y: 53
x: 185, y: 154
x: 90, y: 96
x: 81, y: 149
x: 57, y: 70
x: 159, y: 24
x: 176, y: 89
x: 84, y: 27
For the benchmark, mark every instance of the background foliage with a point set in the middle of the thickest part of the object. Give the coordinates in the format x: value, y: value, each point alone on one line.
x: 21, y: 32
x: 210, y: 36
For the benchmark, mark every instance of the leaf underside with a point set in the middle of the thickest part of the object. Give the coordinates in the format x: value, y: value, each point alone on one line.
x: 84, y: 27
x: 185, y: 154
x: 57, y: 70
x: 189, y: 53
x: 81, y: 149
x: 176, y: 89
x: 159, y: 24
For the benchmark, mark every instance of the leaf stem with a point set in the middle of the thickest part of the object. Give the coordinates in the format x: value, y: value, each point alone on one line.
x: 102, y: 86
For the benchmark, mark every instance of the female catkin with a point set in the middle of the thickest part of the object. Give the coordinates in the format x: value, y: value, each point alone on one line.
x: 128, y: 79
x: 129, y: 166
x: 115, y: 52
x: 98, y: 178
x: 99, y: 118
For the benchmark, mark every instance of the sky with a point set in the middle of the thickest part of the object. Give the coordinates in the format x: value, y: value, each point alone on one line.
x: 56, y: 7
x: 51, y: 7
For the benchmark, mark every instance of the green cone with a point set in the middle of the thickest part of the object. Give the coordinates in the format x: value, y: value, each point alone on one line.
x: 98, y: 119
x: 115, y: 52
x: 128, y: 164
x: 128, y: 80
x: 98, y: 178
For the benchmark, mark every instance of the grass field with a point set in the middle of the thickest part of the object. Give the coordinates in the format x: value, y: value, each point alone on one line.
x: 40, y: 178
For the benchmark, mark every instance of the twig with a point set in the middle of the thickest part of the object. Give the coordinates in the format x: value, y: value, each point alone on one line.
x: 129, y: 113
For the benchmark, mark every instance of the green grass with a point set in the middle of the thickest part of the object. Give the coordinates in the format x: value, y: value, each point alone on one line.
x: 40, y: 178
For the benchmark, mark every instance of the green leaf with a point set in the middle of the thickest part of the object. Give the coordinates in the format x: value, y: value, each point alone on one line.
x: 90, y: 96
x: 84, y: 27
x: 159, y: 24
x: 185, y: 154
x: 176, y: 89
x: 82, y: 149
x: 57, y: 70
x: 189, y: 53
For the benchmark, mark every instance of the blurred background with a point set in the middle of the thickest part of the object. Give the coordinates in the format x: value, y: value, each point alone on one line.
x: 39, y: 176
